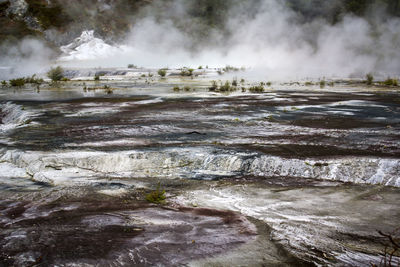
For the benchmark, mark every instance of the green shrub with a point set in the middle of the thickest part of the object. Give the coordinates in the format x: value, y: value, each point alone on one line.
x: 23, y: 81
x: 200, y: 67
x: 213, y: 87
x: 187, y: 88
x: 157, y: 196
x: 234, y: 82
x: 256, y: 89
x: 322, y: 84
x: 131, y: 66
x: 4, y: 83
x: 97, y: 77
x: 34, y: 80
x: 226, y: 87
x: 176, y: 89
x: 308, y: 83
x: 186, y: 72
x: 162, y: 72
x: 55, y: 74
x: 390, y: 82
x: 269, y: 84
x: 17, y: 82
x: 370, y: 79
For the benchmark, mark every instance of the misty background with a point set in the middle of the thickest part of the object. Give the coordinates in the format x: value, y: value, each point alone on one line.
x: 278, y: 39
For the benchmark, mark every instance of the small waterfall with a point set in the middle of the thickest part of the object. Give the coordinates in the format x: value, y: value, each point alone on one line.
x: 12, y: 116
x: 199, y: 163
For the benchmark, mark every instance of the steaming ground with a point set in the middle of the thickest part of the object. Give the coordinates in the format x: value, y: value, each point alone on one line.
x: 266, y: 36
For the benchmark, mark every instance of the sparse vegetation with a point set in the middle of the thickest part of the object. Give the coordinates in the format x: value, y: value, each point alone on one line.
x: 132, y: 66
x: 186, y: 72
x: 157, y: 196
x: 226, y: 87
x: 108, y: 89
x: 308, y: 83
x: 231, y: 87
x: 234, y: 82
x: 256, y: 89
x: 322, y: 84
x: 34, y: 80
x: 162, y: 72
x: 55, y: 74
x: 370, y: 79
x: 391, y: 82
x: 176, y: 88
x: 229, y: 68
x: 4, y: 83
x: 200, y: 67
x: 392, y: 249
x: 213, y: 87
x: 17, y: 82
x: 22, y: 81
x: 187, y: 88
x: 97, y: 77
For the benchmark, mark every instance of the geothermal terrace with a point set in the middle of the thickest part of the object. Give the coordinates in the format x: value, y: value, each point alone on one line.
x: 297, y: 174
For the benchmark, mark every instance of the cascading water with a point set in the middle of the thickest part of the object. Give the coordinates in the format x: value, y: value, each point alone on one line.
x: 195, y: 163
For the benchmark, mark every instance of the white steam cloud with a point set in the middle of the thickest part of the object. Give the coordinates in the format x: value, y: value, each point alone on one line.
x: 28, y: 57
x: 272, y: 42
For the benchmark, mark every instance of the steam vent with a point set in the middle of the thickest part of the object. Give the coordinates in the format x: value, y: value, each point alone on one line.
x: 199, y: 133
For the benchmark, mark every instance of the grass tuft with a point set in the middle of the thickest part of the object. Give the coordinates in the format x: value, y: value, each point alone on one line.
x: 157, y: 196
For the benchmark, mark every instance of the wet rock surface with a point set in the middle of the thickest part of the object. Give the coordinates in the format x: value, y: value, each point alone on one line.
x: 108, y: 231
x: 319, y: 222
x: 287, y: 177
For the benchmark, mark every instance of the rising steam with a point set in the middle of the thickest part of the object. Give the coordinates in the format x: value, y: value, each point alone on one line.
x: 273, y: 41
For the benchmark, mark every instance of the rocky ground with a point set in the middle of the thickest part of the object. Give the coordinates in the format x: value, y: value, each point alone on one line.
x: 295, y: 175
